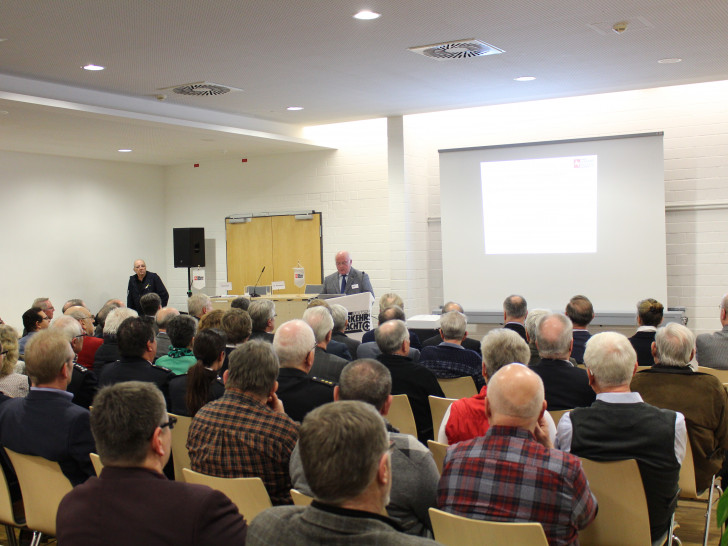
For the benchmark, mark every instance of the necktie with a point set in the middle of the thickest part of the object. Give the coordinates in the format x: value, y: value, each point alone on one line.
x: 343, y: 284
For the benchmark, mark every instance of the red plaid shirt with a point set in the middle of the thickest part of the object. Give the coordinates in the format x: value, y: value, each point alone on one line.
x: 507, y: 475
x: 238, y: 437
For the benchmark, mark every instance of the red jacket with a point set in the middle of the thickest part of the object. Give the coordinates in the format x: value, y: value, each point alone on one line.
x: 467, y: 418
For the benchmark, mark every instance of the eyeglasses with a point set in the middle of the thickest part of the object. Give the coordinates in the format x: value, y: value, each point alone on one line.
x: 45, y: 318
x: 171, y: 421
x: 3, y: 353
x: 80, y: 336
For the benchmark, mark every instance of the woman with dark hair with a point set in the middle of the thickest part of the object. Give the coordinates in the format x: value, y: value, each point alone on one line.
x: 649, y: 317
x: 201, y: 384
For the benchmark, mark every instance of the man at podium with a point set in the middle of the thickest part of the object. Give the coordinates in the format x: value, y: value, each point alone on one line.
x: 346, y: 280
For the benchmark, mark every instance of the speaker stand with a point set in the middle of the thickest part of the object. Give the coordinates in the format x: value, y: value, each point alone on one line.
x: 189, y: 282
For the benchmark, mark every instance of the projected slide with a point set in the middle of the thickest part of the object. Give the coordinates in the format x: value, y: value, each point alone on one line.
x: 540, y: 206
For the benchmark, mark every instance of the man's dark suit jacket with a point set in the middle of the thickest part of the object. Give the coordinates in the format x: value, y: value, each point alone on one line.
x: 566, y: 386
x: 517, y: 327
x: 261, y: 336
x: 468, y: 343
x: 151, y: 283
x: 136, y: 369
x: 417, y: 382
x: 140, y: 506
x: 326, y: 366
x: 48, y: 424
x: 339, y: 349
x: 580, y: 338
x: 351, y: 343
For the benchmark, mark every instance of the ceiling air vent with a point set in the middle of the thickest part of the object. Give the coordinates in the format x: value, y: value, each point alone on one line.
x: 459, y: 49
x: 200, y: 89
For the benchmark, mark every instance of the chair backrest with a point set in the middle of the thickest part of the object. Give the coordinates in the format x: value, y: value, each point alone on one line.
x: 452, y: 530
x: 248, y: 494
x: 556, y: 415
x: 180, y: 455
x: 7, y: 516
x: 401, y: 416
x: 43, y: 485
x: 722, y: 375
x: 458, y: 387
x: 438, y: 451
x: 313, y: 289
x: 622, y: 518
x: 438, y: 407
x: 686, y: 482
x: 299, y: 499
x: 96, y: 461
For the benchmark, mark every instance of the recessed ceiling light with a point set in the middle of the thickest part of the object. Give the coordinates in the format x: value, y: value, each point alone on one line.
x: 670, y: 61
x: 366, y: 15
x: 124, y: 150
x: 3, y: 39
x: 525, y: 78
x: 93, y: 67
x: 294, y: 108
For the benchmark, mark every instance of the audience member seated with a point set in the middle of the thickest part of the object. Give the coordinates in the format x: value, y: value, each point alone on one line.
x: 465, y: 418
x: 263, y: 314
x: 213, y: 319
x: 581, y: 312
x: 107, y: 308
x: 515, y: 311
x: 181, y: 331
x: 468, y: 342
x: 198, y: 305
x: 109, y: 350
x: 649, y: 317
x: 369, y: 349
x: 335, y: 348
x: 137, y: 345
x: 241, y: 302
x: 409, y: 378
x: 566, y: 385
x: 246, y: 433
x: 345, y: 453
x: 341, y: 321
x: 150, y: 304
x: 385, y: 302
x: 325, y: 365
x: 414, y: 472
x: 201, y: 384
x: 162, y: 319
x: 298, y: 390
x: 84, y: 383
x: 34, y: 320
x: 712, y: 349
x: 450, y: 359
x: 534, y: 315
x: 619, y: 425
x: 131, y: 501
x: 701, y: 398
x: 14, y: 385
x: 73, y: 302
x: 237, y: 326
x: 45, y: 305
x: 511, y: 473
x: 47, y: 423
x: 91, y: 344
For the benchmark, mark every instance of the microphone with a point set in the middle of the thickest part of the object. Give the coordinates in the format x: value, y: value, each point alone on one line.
x: 255, y: 294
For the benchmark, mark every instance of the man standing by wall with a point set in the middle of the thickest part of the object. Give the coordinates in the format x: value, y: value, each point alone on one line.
x: 144, y: 282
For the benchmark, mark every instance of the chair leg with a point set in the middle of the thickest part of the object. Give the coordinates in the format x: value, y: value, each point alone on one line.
x: 10, y: 533
x: 713, y: 486
x: 37, y: 535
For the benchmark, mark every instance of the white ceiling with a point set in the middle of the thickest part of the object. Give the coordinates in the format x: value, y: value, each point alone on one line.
x: 314, y: 54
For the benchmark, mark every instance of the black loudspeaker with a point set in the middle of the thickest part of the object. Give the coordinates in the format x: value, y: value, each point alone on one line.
x: 189, y: 247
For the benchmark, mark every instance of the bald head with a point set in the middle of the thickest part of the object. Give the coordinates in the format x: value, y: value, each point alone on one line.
x: 515, y: 397
x: 164, y: 315
x: 294, y: 343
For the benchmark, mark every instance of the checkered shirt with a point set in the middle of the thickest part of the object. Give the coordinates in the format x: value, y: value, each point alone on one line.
x: 507, y: 476
x: 449, y: 361
x: 238, y: 437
